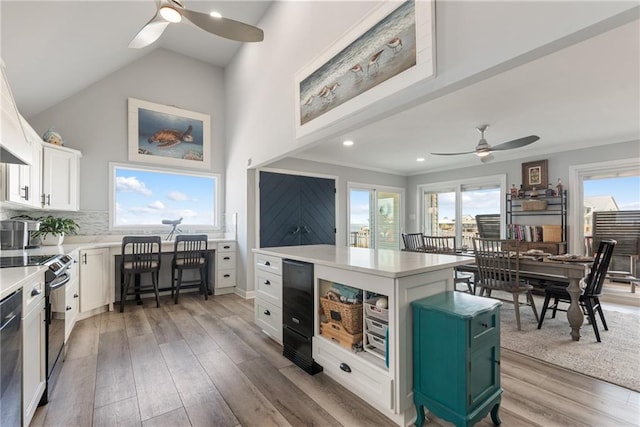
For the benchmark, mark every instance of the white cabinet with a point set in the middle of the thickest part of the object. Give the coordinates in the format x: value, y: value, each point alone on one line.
x: 268, y: 302
x: 94, y: 279
x: 14, y: 148
x: 22, y: 183
x: 225, y: 265
x: 34, y: 373
x: 72, y: 296
x: 60, y: 178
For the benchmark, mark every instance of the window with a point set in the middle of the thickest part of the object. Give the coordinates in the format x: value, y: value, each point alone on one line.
x: 449, y: 208
x: 375, y: 217
x: 142, y: 197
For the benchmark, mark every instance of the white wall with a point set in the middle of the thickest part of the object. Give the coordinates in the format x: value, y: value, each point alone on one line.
x: 94, y: 120
x: 475, y: 40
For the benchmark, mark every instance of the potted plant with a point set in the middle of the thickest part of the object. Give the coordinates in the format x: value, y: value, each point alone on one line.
x: 52, y: 229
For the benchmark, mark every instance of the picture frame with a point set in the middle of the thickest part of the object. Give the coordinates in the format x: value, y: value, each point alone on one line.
x: 535, y: 174
x: 167, y: 135
x: 391, y: 49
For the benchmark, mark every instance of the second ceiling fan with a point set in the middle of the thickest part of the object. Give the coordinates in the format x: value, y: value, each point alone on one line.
x: 484, y: 150
x: 172, y: 11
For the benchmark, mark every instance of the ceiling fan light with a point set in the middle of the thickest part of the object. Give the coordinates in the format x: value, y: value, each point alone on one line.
x: 215, y: 14
x: 483, y: 153
x: 170, y: 14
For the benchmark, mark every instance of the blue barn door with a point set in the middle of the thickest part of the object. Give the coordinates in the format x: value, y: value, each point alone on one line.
x: 296, y: 210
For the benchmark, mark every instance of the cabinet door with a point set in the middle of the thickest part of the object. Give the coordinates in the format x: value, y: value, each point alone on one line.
x: 23, y: 182
x: 60, y: 179
x: 33, y: 360
x: 71, y: 307
x: 94, y: 278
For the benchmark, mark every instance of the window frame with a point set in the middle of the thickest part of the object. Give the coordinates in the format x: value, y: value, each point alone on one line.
x: 217, y: 208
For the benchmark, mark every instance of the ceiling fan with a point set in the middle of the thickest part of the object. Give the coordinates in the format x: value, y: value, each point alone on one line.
x: 484, y: 150
x: 172, y: 11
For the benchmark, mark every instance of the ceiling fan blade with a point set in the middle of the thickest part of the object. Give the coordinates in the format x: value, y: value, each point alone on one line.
x: 516, y: 143
x: 487, y: 158
x: 149, y: 33
x: 452, y: 154
x: 224, y: 27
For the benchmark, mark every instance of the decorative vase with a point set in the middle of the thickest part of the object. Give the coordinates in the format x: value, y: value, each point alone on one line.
x: 52, y: 239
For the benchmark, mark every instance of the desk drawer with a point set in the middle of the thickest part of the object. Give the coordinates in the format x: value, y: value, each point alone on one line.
x: 269, y: 318
x: 484, y: 326
x: 227, y: 247
x: 269, y: 287
x: 226, y: 260
x: 226, y: 278
x: 269, y: 263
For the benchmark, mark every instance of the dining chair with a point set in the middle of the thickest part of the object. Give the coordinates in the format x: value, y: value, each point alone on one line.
x: 590, y: 299
x: 190, y: 253
x: 447, y: 245
x: 413, y: 242
x: 140, y: 255
x: 499, y: 269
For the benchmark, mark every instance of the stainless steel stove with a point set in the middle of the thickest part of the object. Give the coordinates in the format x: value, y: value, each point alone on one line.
x: 26, y: 260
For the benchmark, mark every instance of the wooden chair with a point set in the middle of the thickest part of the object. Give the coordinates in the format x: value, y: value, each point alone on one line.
x: 488, y: 226
x: 499, y: 269
x: 590, y: 298
x: 413, y: 242
x: 190, y: 253
x: 140, y: 255
x: 447, y: 245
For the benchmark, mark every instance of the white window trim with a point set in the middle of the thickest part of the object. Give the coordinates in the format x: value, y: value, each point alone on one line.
x: 112, y: 195
x: 457, y: 186
x: 378, y: 188
x: 577, y: 174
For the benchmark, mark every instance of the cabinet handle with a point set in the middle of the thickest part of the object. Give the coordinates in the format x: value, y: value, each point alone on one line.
x: 43, y: 198
x: 266, y: 282
x: 226, y: 258
x: 484, y: 325
x: 26, y: 192
x: 48, y: 199
x: 497, y: 362
x: 35, y: 292
x: 267, y: 263
x: 75, y: 295
x: 84, y: 258
x: 345, y: 367
x: 227, y: 275
x: 68, y: 307
x: 267, y: 312
x: 227, y: 247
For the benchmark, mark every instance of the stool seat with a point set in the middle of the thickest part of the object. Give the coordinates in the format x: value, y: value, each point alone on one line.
x: 140, y: 255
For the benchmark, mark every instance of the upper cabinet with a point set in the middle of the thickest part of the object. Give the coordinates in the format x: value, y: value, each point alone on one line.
x: 14, y: 147
x: 60, y: 176
x: 23, y: 182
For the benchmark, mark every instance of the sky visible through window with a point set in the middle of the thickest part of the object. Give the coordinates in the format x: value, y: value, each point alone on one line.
x: 625, y: 190
x: 146, y: 197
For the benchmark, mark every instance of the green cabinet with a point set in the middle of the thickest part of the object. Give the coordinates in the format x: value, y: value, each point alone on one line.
x: 456, y: 357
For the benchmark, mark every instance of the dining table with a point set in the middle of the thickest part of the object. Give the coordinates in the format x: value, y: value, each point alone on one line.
x: 571, y: 269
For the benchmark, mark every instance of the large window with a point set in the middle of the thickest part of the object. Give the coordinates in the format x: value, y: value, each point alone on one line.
x: 375, y: 217
x: 142, y: 197
x: 450, y: 208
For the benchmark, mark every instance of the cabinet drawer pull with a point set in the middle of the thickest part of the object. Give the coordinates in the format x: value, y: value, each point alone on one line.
x: 345, y: 367
x: 26, y: 192
x: 485, y: 325
x: 226, y: 246
x: 227, y: 275
x: 267, y: 313
x: 267, y: 263
x: 35, y: 292
x: 75, y: 295
x: 266, y: 282
x: 69, y: 307
x: 226, y: 258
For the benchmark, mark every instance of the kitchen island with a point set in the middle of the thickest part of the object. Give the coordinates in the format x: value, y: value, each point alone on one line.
x: 381, y: 374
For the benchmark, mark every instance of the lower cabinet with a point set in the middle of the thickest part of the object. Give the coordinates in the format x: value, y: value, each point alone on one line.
x: 456, y: 357
x: 34, y: 375
x: 268, y: 302
x: 72, y: 300
x: 225, y: 265
x: 94, y: 279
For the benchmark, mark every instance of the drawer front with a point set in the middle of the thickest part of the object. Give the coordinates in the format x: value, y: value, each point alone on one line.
x: 226, y: 247
x: 31, y: 295
x: 226, y: 278
x: 269, y: 287
x: 484, y: 327
x: 225, y: 260
x: 268, y: 318
x: 269, y: 263
x: 368, y: 382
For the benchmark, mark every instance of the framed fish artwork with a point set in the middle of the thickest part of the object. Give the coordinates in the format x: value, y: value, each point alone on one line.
x: 167, y: 135
x: 391, y: 49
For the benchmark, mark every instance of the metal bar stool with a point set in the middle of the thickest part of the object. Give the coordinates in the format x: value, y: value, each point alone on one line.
x: 140, y: 254
x: 190, y: 253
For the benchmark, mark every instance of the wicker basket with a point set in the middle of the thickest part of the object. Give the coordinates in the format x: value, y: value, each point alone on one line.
x: 347, y: 315
x: 551, y: 233
x: 338, y: 334
x: 534, y: 205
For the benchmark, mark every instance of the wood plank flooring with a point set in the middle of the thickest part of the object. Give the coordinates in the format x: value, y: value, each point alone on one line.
x: 204, y: 363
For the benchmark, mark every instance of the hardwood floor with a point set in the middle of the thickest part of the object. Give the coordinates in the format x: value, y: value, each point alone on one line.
x: 204, y: 363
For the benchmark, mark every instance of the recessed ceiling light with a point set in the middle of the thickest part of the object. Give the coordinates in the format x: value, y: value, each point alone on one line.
x: 420, y: 159
x: 215, y: 14
x: 347, y: 143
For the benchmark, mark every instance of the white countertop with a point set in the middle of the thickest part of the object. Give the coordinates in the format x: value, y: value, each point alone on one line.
x: 381, y: 262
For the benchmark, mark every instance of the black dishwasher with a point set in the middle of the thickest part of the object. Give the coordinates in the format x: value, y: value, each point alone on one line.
x: 297, y: 314
x: 11, y: 360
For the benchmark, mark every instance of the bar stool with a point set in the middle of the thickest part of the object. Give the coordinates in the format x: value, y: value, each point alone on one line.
x: 140, y: 254
x: 190, y: 253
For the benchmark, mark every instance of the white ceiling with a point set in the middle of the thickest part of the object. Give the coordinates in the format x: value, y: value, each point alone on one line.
x: 585, y: 95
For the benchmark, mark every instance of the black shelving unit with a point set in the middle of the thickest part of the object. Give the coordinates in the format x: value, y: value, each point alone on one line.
x: 556, y: 207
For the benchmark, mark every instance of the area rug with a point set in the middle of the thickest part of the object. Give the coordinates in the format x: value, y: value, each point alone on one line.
x: 616, y: 359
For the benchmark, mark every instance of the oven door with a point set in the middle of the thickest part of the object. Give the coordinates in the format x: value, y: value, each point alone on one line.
x: 56, y: 309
